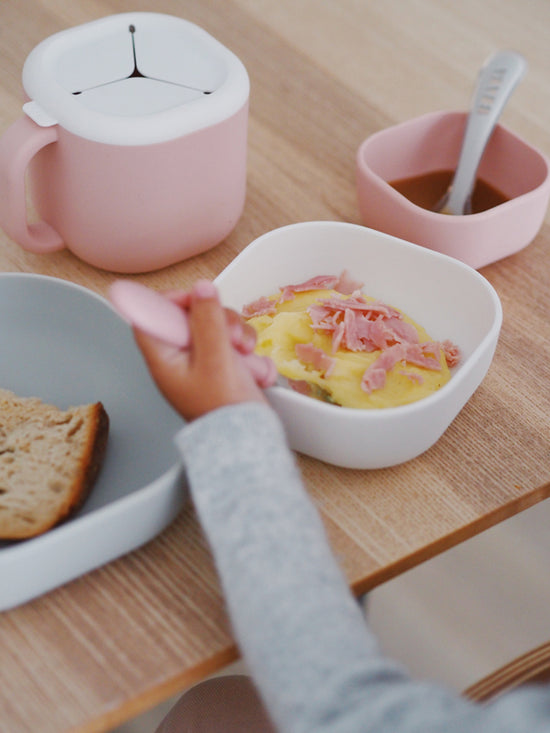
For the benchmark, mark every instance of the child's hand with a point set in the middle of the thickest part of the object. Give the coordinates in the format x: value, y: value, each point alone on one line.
x: 211, y: 373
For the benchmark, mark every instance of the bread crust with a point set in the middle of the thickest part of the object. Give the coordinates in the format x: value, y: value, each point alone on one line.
x: 90, y: 465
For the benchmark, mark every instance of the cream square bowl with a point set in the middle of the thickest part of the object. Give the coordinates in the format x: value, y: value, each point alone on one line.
x: 450, y: 299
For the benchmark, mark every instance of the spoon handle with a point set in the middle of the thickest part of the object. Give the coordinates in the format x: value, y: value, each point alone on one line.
x: 497, y: 79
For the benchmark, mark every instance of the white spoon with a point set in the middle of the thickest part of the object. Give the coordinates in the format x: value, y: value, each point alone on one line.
x: 497, y: 79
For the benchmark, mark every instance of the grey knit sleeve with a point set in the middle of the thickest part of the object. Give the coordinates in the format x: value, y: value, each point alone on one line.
x: 312, y: 656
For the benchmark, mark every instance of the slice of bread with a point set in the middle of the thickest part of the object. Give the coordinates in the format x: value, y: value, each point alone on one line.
x: 49, y: 460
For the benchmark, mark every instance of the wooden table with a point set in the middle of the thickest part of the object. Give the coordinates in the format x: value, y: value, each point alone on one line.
x: 324, y: 75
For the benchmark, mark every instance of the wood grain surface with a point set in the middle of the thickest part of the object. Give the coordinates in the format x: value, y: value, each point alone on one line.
x: 528, y: 669
x: 324, y: 75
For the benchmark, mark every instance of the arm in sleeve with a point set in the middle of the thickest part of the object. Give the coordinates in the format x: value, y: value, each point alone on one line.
x: 301, y: 632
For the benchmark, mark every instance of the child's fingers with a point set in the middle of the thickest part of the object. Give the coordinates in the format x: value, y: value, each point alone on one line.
x: 207, y: 321
x: 181, y: 297
x: 166, y: 363
x: 242, y: 334
x: 210, y: 373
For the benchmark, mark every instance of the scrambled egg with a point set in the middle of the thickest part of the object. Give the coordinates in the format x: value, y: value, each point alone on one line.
x: 279, y: 334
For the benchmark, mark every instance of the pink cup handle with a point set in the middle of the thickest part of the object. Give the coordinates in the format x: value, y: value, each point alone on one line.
x: 18, y: 145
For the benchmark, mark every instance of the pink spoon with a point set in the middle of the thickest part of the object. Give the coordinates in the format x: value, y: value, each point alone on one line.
x: 160, y: 317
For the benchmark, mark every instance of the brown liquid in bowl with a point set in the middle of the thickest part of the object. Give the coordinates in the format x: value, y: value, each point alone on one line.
x: 427, y: 190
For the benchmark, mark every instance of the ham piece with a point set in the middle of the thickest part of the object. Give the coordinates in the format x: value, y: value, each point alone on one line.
x: 342, y: 284
x: 452, y: 353
x: 310, y: 354
x: 346, y: 284
x: 357, y: 324
x: 422, y: 355
x: 261, y: 307
x: 361, y: 325
x: 301, y: 386
x: 320, y: 282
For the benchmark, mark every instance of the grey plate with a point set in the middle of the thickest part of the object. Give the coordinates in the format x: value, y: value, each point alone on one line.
x: 64, y: 344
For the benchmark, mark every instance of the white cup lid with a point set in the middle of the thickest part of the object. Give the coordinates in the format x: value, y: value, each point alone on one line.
x: 133, y: 79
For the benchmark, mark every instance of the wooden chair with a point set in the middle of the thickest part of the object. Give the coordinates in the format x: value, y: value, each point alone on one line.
x: 532, y: 667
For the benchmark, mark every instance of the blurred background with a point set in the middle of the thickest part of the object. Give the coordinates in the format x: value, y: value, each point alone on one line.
x: 458, y: 617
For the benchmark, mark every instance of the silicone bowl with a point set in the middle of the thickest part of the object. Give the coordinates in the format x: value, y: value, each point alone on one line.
x: 426, y: 285
x: 431, y: 143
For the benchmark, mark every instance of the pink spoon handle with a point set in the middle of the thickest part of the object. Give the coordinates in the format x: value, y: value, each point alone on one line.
x: 151, y: 312
x: 160, y: 317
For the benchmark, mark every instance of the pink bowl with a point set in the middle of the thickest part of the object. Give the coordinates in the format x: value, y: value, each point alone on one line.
x: 430, y: 143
